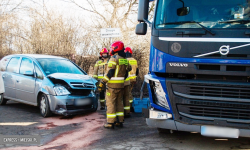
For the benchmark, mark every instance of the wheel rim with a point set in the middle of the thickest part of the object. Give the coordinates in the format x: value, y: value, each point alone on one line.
x: 43, y: 105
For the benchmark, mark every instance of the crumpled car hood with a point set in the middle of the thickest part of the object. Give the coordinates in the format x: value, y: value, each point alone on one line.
x: 67, y: 77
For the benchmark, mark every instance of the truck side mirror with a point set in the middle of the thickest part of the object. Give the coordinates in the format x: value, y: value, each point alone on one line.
x: 141, y: 29
x: 143, y: 10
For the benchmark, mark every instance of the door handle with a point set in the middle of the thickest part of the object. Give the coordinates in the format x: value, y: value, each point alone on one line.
x: 17, y: 81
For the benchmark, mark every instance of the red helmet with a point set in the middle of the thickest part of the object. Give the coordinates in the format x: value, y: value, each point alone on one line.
x: 110, y: 53
x: 129, y: 50
x: 104, y: 51
x: 117, y: 46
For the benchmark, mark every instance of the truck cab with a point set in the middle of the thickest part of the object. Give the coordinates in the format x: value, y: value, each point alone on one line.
x: 199, y: 66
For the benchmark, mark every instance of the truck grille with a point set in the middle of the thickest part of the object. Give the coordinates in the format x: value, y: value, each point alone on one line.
x: 236, y: 111
x: 219, y: 91
x: 209, y: 101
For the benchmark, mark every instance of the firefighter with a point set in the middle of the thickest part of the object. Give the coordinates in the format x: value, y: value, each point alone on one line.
x: 114, y: 78
x: 132, y: 74
x: 99, y: 71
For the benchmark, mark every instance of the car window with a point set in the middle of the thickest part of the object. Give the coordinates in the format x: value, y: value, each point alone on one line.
x: 39, y: 74
x: 3, y: 63
x: 13, y: 65
x: 26, y: 66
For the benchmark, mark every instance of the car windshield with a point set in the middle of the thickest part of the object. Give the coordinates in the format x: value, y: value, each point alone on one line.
x: 51, y: 66
x: 209, y: 13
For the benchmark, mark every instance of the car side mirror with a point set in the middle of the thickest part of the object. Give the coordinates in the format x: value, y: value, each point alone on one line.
x: 28, y: 73
x: 183, y: 11
x: 141, y: 29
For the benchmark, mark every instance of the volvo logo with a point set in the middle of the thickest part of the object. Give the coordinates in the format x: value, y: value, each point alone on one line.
x: 178, y: 65
x: 83, y: 84
x: 224, y: 50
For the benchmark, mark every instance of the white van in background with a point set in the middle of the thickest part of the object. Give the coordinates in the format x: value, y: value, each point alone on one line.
x: 2, y: 90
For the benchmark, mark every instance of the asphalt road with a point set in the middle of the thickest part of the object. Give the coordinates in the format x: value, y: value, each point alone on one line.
x: 86, y: 132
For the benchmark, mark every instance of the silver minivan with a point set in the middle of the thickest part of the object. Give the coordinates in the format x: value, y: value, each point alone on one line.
x: 55, y: 84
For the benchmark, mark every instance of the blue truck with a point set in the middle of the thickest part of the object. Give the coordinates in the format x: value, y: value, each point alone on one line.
x: 199, y: 67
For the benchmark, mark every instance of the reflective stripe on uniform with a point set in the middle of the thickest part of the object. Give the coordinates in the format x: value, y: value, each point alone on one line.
x: 108, y: 93
x: 111, y: 115
x: 127, y: 108
x: 133, y: 62
x: 132, y: 77
x: 112, y: 62
x: 116, y: 70
x: 102, y: 100
x: 116, y: 80
x: 101, y: 64
x: 127, y: 79
x: 131, y: 101
x: 96, y: 65
x: 95, y: 76
x: 120, y: 114
x: 106, y: 78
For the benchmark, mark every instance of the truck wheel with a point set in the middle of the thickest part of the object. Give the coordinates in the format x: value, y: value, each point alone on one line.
x: 44, y: 106
x: 2, y: 100
x: 165, y: 131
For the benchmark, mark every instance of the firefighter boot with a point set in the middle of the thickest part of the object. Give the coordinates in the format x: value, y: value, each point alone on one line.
x: 119, y: 124
x: 109, y: 125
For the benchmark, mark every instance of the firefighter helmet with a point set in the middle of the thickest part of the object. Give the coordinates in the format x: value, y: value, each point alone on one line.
x: 128, y: 50
x: 104, y: 51
x: 117, y: 46
x: 111, y: 52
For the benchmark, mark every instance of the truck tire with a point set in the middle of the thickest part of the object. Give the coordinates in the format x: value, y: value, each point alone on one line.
x: 165, y: 131
x: 2, y: 100
x: 44, y: 106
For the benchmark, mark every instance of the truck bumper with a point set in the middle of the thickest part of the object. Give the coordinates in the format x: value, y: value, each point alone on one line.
x: 174, y: 125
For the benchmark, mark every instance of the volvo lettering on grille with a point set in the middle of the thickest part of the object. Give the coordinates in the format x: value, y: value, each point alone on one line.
x: 178, y: 65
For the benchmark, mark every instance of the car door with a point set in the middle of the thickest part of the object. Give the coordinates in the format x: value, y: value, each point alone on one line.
x: 25, y: 82
x: 9, y: 77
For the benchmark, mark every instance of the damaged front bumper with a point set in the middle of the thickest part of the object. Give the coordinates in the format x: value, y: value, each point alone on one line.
x: 71, y: 105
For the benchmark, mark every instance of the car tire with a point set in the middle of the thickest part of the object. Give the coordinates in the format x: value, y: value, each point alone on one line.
x: 44, y: 106
x: 95, y: 108
x: 2, y: 100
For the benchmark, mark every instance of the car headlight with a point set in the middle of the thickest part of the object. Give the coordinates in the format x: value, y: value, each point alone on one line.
x: 61, y: 90
x: 92, y: 92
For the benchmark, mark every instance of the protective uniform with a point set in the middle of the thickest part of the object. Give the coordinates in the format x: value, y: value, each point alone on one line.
x: 99, y: 71
x: 114, y: 79
x: 133, y: 73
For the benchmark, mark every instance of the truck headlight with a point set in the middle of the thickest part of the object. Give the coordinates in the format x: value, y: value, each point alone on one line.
x: 61, y: 90
x: 160, y: 95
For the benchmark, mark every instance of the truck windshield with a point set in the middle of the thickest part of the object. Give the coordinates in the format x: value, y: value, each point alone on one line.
x: 209, y: 13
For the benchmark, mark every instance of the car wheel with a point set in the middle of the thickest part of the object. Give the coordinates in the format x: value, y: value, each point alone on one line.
x: 44, y: 106
x: 2, y: 100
